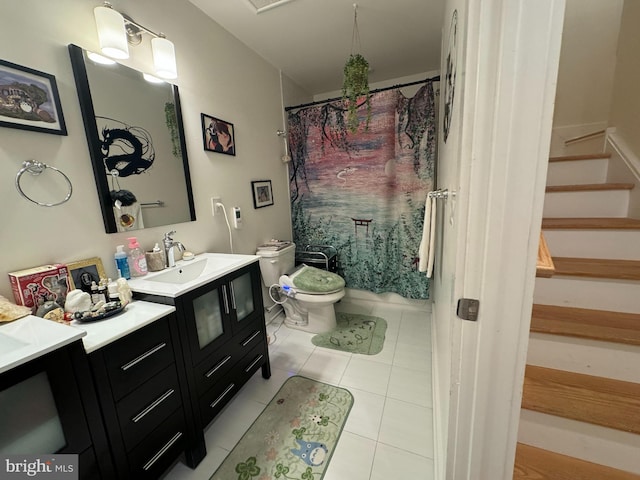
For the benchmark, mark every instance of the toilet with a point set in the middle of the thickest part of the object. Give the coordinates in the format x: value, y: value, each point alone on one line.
x: 307, y: 294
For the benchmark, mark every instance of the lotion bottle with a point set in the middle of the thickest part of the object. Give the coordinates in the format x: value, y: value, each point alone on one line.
x: 137, y: 259
x: 122, y: 264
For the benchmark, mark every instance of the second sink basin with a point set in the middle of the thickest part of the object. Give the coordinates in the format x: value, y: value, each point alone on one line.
x: 186, y: 272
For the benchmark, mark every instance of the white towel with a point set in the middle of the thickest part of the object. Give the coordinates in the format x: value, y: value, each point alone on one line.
x: 426, y: 243
x: 432, y: 237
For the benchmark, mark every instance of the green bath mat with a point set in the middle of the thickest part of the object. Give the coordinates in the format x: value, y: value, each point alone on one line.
x: 294, y: 436
x: 355, y: 333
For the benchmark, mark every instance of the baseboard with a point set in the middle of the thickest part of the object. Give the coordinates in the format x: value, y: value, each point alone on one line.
x: 386, y: 298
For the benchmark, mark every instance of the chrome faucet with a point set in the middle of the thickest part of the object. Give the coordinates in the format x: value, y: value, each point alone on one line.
x: 169, y: 243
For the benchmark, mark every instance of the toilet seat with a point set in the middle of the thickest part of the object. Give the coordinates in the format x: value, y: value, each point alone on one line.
x: 313, y: 282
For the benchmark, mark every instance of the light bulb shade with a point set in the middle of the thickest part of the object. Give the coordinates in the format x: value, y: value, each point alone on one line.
x: 164, y: 58
x: 111, y: 32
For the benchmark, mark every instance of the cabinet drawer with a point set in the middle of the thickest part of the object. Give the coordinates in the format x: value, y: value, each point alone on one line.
x: 217, y: 397
x: 248, y: 339
x: 146, y: 407
x: 250, y: 363
x: 138, y: 356
x: 160, y: 449
x: 214, y: 367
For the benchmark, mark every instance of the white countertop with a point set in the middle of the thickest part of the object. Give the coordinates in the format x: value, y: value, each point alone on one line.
x: 30, y: 337
x: 217, y: 265
x: 135, y: 315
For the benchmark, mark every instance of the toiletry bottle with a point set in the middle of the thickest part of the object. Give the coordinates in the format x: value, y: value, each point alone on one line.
x: 122, y: 263
x: 137, y: 260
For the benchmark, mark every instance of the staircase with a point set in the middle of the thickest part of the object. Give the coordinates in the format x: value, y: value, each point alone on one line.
x: 580, y: 417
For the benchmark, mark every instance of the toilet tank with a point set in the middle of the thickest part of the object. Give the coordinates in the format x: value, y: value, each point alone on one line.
x: 276, y: 263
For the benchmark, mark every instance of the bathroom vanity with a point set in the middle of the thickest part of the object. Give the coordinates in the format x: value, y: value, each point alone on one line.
x: 220, y: 317
x: 133, y: 393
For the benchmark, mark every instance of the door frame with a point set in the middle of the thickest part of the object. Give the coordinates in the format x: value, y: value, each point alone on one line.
x: 511, y: 65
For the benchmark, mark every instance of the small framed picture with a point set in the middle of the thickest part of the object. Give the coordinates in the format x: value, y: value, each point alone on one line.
x: 218, y: 135
x: 262, y: 193
x: 29, y: 100
x: 84, y: 272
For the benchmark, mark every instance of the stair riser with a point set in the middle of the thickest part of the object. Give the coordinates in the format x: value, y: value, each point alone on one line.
x: 613, y: 244
x: 581, y: 440
x: 577, y: 172
x: 597, y: 294
x: 600, y: 203
x: 589, y: 357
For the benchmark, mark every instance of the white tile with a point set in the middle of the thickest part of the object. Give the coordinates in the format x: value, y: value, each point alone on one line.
x: 290, y: 355
x: 260, y: 390
x: 365, y: 375
x: 352, y: 458
x: 354, y: 306
x: 325, y: 365
x: 366, y: 414
x: 385, y: 356
x: 232, y: 422
x: 416, y: 356
x: 415, y: 329
x: 410, y: 385
x: 206, y: 468
x: 393, y: 463
x: 407, y: 426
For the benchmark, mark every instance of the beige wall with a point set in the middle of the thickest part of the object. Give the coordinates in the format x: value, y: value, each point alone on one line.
x: 625, y: 108
x: 587, y: 62
x: 217, y: 75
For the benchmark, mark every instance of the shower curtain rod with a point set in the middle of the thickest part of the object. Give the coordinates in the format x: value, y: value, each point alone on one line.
x: 328, y: 100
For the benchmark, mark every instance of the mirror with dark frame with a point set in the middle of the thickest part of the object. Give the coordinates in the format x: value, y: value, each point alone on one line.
x: 136, y: 143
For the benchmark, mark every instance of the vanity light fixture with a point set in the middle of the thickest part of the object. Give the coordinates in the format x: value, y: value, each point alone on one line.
x: 116, y: 31
x: 101, y: 59
x: 151, y: 78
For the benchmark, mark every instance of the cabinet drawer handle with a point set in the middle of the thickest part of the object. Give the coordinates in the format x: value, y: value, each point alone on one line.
x: 226, y: 300
x: 219, y: 399
x: 248, y: 340
x: 217, y: 367
x: 162, y: 451
x: 153, y: 405
x: 253, y: 363
x: 233, y: 296
x: 135, y: 361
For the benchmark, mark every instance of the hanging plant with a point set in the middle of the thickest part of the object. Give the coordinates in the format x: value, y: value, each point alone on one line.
x: 171, y: 119
x: 356, y: 85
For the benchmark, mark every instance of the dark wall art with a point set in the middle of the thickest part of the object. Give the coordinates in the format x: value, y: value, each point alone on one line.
x: 218, y: 135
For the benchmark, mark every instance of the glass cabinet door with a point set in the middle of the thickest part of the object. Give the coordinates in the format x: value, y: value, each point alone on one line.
x: 208, y: 317
x: 242, y: 297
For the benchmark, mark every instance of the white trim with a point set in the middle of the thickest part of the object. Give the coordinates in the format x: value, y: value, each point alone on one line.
x: 512, y: 63
x: 618, y: 144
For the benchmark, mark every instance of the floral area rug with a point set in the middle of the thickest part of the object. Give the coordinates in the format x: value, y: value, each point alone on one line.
x: 355, y: 333
x: 294, y: 437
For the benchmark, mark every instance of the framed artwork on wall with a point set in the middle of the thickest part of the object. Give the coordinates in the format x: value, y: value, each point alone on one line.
x: 218, y: 135
x: 262, y: 193
x: 83, y: 272
x: 29, y: 100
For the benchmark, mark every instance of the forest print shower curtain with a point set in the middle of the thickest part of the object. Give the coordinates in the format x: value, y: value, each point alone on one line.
x: 365, y: 192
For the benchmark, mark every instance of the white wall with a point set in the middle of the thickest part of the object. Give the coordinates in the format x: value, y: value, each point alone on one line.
x: 217, y: 75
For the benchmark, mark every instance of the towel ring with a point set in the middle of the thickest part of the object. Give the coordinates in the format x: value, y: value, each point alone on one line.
x: 36, y: 168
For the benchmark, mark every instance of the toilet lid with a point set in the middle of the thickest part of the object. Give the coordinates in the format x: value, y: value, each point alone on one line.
x: 315, y: 280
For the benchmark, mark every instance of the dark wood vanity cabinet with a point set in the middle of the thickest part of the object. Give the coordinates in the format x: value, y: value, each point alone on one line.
x: 143, y: 394
x: 224, y: 339
x: 48, y: 405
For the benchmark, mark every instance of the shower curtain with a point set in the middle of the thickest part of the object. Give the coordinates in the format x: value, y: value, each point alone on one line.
x: 364, y: 193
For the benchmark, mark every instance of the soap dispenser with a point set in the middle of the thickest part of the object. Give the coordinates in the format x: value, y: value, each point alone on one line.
x: 122, y: 263
x: 137, y: 260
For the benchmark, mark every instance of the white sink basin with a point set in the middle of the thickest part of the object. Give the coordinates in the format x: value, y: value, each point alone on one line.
x: 188, y: 275
x: 9, y: 344
x: 187, y: 272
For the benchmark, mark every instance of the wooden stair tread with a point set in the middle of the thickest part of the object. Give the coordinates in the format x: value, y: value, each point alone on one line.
x: 587, y: 156
x: 594, y: 223
x: 585, y: 398
x: 544, y: 264
x: 616, y: 327
x: 589, y: 187
x: 597, y: 268
x: 534, y: 463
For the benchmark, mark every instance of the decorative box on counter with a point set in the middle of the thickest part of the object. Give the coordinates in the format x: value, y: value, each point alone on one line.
x: 34, y: 286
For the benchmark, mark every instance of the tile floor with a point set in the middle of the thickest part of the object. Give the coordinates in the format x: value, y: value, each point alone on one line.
x: 389, y: 432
